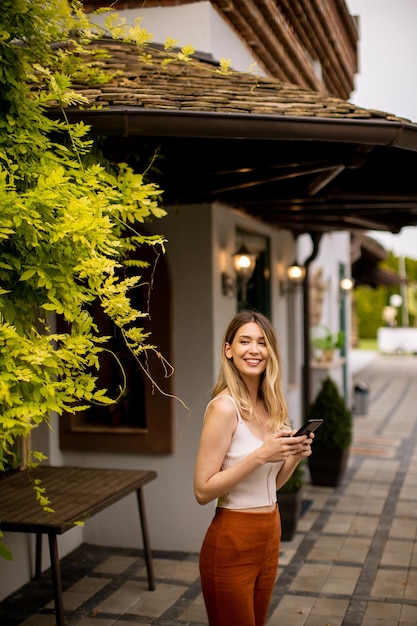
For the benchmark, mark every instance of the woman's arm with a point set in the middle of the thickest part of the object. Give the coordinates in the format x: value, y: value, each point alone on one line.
x: 218, y: 428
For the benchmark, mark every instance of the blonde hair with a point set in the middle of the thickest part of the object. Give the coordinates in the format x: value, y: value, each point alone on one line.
x: 270, y: 385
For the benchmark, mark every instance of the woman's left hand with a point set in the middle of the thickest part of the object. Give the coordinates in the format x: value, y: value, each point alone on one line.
x: 301, y: 445
x: 300, y: 449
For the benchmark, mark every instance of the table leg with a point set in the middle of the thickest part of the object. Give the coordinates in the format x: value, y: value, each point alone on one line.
x: 146, y: 543
x: 38, y: 556
x: 56, y: 580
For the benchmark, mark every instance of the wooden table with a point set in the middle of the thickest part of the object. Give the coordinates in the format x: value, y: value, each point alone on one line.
x: 76, y: 494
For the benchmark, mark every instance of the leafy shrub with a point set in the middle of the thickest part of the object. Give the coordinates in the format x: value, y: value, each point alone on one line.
x: 336, y: 432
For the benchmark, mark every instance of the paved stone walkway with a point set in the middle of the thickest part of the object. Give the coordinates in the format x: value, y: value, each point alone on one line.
x: 353, y: 561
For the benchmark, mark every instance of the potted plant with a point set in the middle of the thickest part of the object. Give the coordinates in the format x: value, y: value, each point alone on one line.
x: 290, y: 500
x: 327, y: 343
x: 332, y: 441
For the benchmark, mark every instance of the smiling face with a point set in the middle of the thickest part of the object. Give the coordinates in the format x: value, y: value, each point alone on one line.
x: 248, y: 350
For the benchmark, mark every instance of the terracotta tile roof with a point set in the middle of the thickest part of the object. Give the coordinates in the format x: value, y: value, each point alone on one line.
x: 284, y: 36
x: 197, y: 86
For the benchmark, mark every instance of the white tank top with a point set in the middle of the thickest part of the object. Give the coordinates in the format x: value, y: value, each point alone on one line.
x: 257, y: 489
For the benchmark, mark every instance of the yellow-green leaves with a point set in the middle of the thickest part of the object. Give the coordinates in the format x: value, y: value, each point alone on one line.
x: 186, y: 53
x: 41, y: 496
x: 68, y: 223
x: 4, y: 551
x: 170, y: 44
x: 224, y: 66
x: 118, y: 28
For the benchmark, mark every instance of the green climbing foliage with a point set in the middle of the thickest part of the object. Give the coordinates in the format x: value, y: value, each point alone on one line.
x: 68, y: 223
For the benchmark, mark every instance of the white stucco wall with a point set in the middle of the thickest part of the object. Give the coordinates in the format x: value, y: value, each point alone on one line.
x: 196, y: 236
x: 176, y: 521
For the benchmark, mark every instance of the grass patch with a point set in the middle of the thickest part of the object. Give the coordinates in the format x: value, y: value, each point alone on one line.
x: 368, y: 344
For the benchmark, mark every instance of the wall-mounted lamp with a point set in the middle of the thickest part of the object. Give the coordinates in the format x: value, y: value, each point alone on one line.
x: 346, y: 284
x: 296, y: 273
x: 244, y: 263
x: 293, y: 275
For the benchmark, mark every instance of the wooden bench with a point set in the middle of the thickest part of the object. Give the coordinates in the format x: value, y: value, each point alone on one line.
x: 76, y: 494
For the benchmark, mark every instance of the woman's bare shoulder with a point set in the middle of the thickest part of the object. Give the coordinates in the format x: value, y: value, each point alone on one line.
x: 222, y: 405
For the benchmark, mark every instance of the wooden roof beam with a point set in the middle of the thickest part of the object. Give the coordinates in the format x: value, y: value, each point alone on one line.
x: 277, y: 53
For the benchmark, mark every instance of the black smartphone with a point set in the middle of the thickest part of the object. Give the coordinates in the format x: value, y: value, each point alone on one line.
x: 310, y: 426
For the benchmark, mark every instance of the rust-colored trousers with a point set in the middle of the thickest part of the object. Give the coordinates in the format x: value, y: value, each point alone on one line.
x: 238, y: 566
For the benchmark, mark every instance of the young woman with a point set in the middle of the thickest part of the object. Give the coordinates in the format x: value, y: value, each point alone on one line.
x: 245, y: 455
